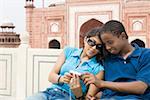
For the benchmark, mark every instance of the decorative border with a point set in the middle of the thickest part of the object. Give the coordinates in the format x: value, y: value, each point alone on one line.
x: 7, y: 89
x: 74, y: 9
x: 39, y: 62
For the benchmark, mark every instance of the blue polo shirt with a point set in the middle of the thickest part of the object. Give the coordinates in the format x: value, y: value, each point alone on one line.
x: 72, y: 63
x: 135, y: 68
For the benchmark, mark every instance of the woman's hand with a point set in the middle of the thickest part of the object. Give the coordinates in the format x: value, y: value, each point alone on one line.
x: 96, y: 97
x: 89, y: 78
x: 89, y: 97
x: 66, y: 78
x: 75, y: 86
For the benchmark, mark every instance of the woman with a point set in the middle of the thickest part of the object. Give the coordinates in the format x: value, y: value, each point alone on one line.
x: 82, y: 61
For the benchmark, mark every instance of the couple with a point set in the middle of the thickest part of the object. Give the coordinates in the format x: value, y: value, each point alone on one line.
x: 126, y: 68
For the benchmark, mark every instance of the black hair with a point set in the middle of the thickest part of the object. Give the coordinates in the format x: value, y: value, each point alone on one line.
x: 139, y: 42
x: 92, y: 32
x: 102, y: 51
x: 114, y: 27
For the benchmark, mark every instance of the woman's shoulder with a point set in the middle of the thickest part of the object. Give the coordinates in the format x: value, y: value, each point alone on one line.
x: 69, y: 50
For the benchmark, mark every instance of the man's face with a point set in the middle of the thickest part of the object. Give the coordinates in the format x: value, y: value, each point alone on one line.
x: 114, y: 44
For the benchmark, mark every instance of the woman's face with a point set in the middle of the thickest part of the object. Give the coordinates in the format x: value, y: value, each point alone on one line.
x: 92, y: 46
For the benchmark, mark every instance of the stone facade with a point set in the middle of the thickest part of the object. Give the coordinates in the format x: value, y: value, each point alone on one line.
x: 8, y: 38
x: 62, y: 22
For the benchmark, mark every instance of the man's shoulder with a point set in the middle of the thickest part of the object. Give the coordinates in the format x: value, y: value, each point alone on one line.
x: 145, y: 51
x: 144, y: 56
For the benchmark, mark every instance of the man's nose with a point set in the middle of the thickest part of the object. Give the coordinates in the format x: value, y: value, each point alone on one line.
x: 108, y: 47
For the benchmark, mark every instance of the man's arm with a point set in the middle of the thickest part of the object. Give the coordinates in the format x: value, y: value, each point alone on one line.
x: 137, y: 87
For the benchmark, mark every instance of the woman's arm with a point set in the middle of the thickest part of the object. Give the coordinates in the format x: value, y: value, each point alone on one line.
x: 53, y: 75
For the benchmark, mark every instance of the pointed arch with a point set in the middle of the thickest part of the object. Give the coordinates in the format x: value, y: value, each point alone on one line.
x: 87, y: 26
x: 54, y: 44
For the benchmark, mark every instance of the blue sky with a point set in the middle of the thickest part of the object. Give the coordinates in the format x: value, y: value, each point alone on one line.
x: 14, y: 11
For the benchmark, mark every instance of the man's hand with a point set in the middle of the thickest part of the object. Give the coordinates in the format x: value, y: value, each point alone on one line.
x: 89, y: 78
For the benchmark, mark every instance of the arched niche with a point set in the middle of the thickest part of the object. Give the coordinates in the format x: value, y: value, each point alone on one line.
x: 54, y: 27
x: 87, y: 26
x: 137, y: 26
x: 54, y: 44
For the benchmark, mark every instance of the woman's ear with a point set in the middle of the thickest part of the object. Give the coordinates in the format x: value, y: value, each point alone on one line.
x: 85, y: 39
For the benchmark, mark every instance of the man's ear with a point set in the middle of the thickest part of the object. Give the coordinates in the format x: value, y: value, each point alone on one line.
x: 123, y: 36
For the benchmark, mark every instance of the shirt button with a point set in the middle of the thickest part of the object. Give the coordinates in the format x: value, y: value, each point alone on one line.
x: 55, y: 89
x: 125, y: 62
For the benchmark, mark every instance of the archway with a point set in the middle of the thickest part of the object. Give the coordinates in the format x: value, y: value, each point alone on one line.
x: 87, y: 26
x: 54, y: 44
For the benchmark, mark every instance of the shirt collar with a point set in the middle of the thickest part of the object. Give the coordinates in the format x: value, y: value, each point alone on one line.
x: 136, y: 53
x: 77, y: 52
x: 91, y: 62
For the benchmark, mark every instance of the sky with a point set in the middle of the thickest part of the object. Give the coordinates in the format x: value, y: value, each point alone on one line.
x: 14, y: 11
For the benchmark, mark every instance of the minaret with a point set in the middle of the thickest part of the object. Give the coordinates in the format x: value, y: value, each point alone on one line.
x: 29, y: 12
x: 29, y: 3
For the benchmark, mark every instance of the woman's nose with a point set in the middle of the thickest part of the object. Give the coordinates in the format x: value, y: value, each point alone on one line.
x: 94, y: 47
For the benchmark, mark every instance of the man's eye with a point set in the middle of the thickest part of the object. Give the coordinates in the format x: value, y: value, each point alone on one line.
x: 109, y: 42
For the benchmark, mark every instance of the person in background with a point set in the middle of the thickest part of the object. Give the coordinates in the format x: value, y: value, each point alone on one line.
x: 77, y: 60
x: 127, y: 69
x: 139, y: 42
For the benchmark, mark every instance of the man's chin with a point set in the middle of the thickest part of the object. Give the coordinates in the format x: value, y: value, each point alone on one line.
x: 114, y: 53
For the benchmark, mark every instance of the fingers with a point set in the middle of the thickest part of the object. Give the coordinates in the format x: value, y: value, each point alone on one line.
x: 89, y: 97
x: 67, y: 77
x: 75, y: 81
x: 75, y: 86
x: 86, y: 75
x: 88, y: 78
x: 71, y: 83
x: 88, y: 81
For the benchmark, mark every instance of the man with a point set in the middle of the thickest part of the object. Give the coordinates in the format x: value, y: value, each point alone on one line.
x: 127, y: 68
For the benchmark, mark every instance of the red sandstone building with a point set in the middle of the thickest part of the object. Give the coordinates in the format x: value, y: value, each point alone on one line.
x: 59, y: 24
